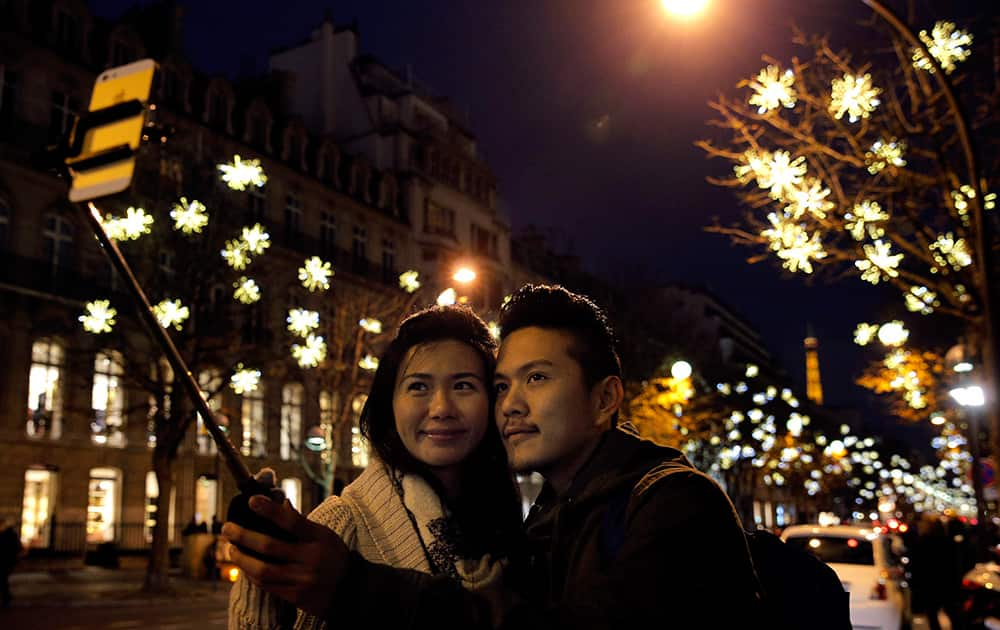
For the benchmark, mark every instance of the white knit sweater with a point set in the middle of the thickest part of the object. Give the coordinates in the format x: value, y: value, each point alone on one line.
x: 371, y: 519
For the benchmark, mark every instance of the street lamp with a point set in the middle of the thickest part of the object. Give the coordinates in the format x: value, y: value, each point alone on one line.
x: 316, y: 439
x: 680, y: 370
x: 684, y: 8
x: 464, y: 275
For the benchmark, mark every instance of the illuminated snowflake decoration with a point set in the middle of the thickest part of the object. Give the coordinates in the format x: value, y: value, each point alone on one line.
x: 315, y: 274
x: 301, y: 322
x: 244, y: 380
x: 171, y: 313
x: 494, y: 329
x: 369, y: 363
x: 755, y: 165
x: 236, y: 255
x: 896, y: 358
x: 947, y: 44
x: 960, y: 199
x: 311, y: 353
x: 865, y: 215
x: 133, y: 225
x: 865, y: 333
x: 256, y: 239
x: 371, y: 325
x: 783, y: 173
x: 855, y: 96
x: 408, y: 281
x: 793, y: 244
x: 241, y: 174
x: 893, y: 333
x: 447, y: 297
x: 880, y: 263
x: 921, y: 300
x: 809, y: 197
x: 948, y: 250
x: 247, y: 291
x: 189, y: 216
x: 99, y: 317
x: 885, y: 153
x: 772, y: 89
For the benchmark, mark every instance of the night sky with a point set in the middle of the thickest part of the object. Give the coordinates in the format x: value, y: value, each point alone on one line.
x: 629, y: 196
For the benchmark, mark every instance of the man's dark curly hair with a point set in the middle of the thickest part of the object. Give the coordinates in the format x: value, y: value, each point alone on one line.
x: 554, y: 307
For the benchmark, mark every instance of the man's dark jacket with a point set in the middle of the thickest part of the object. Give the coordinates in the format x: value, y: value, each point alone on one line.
x: 682, y: 561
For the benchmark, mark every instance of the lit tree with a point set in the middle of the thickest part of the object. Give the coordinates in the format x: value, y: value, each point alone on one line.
x: 863, y: 166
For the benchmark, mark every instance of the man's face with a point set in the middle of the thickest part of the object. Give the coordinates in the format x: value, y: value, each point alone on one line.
x: 546, y: 415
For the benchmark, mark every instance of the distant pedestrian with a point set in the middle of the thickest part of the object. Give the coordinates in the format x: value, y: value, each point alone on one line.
x: 10, y: 550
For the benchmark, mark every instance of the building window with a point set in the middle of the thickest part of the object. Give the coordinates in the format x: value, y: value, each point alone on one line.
x: 438, y: 219
x: 328, y: 233
x: 206, y: 499
x: 254, y: 423
x: 360, y: 452
x: 63, y: 113
x: 8, y: 93
x: 483, y: 241
x: 152, y: 495
x: 291, y: 420
x: 292, y: 488
x: 57, y: 242
x: 4, y: 223
x: 218, y: 110
x: 210, y: 382
x: 107, y: 400
x: 294, y: 149
x: 103, y: 504
x: 67, y: 29
x: 293, y: 219
x: 258, y: 131
x: 359, y: 246
x: 37, y: 506
x: 388, y: 260
x: 256, y: 204
x: 45, y: 389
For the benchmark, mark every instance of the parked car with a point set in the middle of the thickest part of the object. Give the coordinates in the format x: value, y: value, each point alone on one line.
x: 862, y: 558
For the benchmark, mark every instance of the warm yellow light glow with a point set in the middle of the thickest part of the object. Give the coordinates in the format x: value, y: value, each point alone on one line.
x: 244, y: 380
x: 864, y: 215
x: 885, y: 153
x: 233, y: 574
x: 921, y: 300
x: 236, y: 255
x: 408, y: 281
x: 256, y: 239
x: 247, y: 291
x: 783, y: 173
x: 241, y: 174
x: 189, y: 216
x: 752, y: 370
x: 855, y: 96
x: 684, y: 8
x: 865, y: 333
x: 773, y: 89
x: 171, y: 313
x: 680, y: 370
x: 948, y: 250
x: 793, y: 244
x: 893, y: 333
x: 880, y: 263
x: 315, y: 274
x: 368, y: 362
x: 447, y: 297
x: 947, y: 44
x: 134, y: 224
x: 99, y: 317
x: 301, y: 322
x: 311, y: 353
x: 808, y: 197
x: 372, y: 325
x: 494, y: 329
x: 464, y: 275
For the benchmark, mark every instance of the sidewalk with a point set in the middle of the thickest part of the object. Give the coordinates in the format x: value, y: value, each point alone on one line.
x: 94, y: 586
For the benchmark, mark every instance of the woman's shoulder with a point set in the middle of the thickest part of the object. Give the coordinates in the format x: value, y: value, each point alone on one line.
x: 334, y: 512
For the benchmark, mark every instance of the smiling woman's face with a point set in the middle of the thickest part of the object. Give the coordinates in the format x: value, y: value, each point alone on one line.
x: 440, y: 403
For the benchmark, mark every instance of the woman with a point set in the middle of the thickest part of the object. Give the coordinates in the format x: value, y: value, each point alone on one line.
x: 438, y: 496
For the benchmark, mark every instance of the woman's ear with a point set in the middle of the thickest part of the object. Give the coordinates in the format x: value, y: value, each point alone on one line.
x: 607, y: 397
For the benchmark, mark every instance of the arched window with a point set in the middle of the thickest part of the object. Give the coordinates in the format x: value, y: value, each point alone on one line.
x: 107, y: 400
x: 104, y: 505
x: 291, y: 419
x: 45, y: 387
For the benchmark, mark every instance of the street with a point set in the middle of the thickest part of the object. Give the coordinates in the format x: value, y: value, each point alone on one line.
x: 203, y: 612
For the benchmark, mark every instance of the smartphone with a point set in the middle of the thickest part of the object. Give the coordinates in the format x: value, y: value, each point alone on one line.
x: 113, y: 86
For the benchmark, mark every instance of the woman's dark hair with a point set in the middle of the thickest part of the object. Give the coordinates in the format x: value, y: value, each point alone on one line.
x: 488, y: 509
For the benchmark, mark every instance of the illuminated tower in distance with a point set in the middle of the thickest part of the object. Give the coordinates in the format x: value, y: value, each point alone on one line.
x: 814, y: 387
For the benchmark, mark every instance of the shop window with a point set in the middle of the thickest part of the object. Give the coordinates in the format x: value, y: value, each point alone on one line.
x: 45, y: 389
x: 254, y: 423
x: 36, y: 507
x: 291, y: 420
x: 107, y: 400
x: 206, y: 499
x: 103, y: 505
x: 152, y: 494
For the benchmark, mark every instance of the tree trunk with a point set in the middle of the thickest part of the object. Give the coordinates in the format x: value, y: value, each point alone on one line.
x: 157, y: 578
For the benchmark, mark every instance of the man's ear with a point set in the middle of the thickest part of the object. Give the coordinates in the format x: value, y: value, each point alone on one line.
x: 607, y: 397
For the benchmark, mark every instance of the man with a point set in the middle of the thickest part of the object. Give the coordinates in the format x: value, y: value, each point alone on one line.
x: 624, y: 531
x: 10, y: 551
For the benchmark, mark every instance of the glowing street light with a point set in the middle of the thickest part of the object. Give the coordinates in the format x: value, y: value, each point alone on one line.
x: 971, y: 396
x: 680, y: 370
x: 316, y: 440
x: 464, y: 275
x: 684, y: 8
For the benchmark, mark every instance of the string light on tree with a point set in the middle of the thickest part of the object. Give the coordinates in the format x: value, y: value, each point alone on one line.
x: 783, y: 173
x: 408, y: 281
x: 946, y: 43
x: 865, y: 333
x: 302, y: 322
x: 315, y: 274
x: 311, y: 353
x: 244, y: 380
x: 99, y: 317
x: 893, y: 334
x: 133, y: 225
x: 948, y: 250
x: 236, y: 255
x: 880, y: 263
x: 371, y: 325
x: 773, y: 89
x: 247, y: 291
x: 171, y: 313
x: 256, y: 239
x: 793, y: 244
x: 920, y: 299
x: 241, y: 174
x: 863, y: 218
x: 494, y: 329
x: 447, y: 297
x: 809, y: 197
x: 369, y: 363
x: 189, y: 216
x: 885, y: 153
x: 855, y: 96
